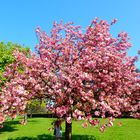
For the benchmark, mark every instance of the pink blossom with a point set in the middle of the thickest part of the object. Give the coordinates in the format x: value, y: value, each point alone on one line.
x: 110, y: 124
x: 102, y: 128
x: 68, y: 119
x: 85, y: 125
x: 113, y: 21
x: 2, y: 118
x: 97, y: 113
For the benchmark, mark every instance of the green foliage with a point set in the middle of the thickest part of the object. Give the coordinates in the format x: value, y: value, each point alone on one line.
x: 6, y: 56
x: 36, y: 106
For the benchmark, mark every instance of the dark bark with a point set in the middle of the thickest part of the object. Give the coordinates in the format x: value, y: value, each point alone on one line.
x: 68, y: 131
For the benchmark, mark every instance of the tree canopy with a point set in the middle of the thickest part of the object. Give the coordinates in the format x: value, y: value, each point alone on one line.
x: 80, y: 73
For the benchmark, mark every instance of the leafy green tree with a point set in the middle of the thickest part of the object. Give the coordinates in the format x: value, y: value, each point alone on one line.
x: 6, y: 56
x: 36, y: 106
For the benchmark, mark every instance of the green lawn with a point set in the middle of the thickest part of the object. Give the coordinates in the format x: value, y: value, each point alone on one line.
x: 37, y: 129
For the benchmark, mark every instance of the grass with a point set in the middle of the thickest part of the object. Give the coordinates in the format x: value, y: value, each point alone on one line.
x: 37, y: 129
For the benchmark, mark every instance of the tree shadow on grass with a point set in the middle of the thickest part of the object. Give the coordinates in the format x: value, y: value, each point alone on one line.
x: 50, y: 137
x: 83, y: 137
x: 9, y: 126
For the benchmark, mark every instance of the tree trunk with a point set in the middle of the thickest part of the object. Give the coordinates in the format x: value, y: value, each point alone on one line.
x: 31, y: 114
x: 68, y: 131
x: 25, y: 117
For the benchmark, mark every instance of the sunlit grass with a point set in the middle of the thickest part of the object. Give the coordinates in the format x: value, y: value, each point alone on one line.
x: 37, y: 129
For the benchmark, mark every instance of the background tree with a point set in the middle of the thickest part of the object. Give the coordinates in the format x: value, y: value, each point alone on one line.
x: 36, y: 106
x: 78, y: 73
x: 6, y: 56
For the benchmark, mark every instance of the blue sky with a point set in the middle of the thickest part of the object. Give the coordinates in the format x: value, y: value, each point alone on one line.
x: 19, y: 18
